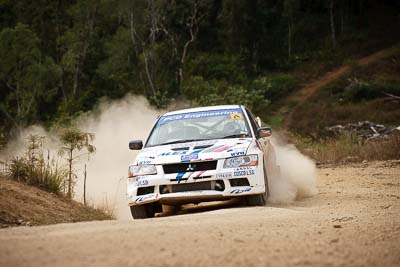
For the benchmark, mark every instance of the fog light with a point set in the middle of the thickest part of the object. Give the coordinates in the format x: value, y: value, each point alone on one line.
x: 164, y: 189
x: 219, y: 185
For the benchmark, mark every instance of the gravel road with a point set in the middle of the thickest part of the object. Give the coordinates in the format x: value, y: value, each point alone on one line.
x: 353, y: 221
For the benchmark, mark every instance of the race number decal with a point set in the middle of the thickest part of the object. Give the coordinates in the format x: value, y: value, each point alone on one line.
x: 236, y: 116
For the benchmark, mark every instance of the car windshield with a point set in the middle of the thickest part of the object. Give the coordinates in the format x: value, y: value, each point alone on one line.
x: 201, y: 125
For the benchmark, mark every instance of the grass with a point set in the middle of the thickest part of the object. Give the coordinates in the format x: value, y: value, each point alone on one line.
x: 48, y: 177
x: 349, y: 149
x: 275, y: 121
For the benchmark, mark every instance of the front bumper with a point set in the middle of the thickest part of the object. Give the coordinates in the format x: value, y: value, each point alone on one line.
x: 219, y: 184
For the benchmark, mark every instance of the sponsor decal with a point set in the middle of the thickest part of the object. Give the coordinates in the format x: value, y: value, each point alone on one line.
x: 179, y: 176
x: 236, y: 116
x: 244, y: 168
x: 211, y: 149
x: 144, y: 198
x: 224, y: 175
x: 221, y: 149
x: 141, y: 181
x: 173, y: 153
x: 237, y: 153
x: 194, y: 144
x: 241, y: 190
x: 184, y: 152
x: 243, y: 171
x: 189, y: 157
x: 200, y: 173
x: 199, y: 114
x: 144, y: 162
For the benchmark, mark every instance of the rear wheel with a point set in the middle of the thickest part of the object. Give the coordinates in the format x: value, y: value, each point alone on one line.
x: 144, y: 211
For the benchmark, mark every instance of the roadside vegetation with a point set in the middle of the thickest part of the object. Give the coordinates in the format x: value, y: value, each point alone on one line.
x: 53, y: 173
x: 368, y: 93
x: 54, y: 176
x: 349, y: 149
x: 33, y: 168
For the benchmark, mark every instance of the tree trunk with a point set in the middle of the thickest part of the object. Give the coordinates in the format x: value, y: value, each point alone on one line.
x: 193, y: 29
x: 69, y: 192
x: 84, y: 186
x: 86, y: 35
x: 289, y: 39
x: 333, y: 32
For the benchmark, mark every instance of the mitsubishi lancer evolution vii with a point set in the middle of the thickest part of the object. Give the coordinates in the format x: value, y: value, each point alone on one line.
x: 201, y: 154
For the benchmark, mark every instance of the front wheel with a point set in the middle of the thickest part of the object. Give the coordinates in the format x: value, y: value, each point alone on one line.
x: 260, y: 199
x: 144, y: 211
x: 257, y: 200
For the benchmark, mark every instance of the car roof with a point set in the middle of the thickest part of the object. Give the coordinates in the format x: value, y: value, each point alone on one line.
x: 199, y: 109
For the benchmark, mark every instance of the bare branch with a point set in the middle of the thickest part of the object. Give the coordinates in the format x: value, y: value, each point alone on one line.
x: 391, y: 95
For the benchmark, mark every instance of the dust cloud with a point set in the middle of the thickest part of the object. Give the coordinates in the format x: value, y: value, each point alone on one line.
x: 297, y: 178
x: 114, y: 125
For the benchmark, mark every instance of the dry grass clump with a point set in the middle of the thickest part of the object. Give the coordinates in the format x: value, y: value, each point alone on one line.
x: 49, y: 177
x: 350, y: 148
x: 33, y: 169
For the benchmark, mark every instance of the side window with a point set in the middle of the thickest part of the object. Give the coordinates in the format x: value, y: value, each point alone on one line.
x: 252, y: 122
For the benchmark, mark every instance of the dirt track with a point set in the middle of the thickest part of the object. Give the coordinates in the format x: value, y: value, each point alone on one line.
x: 353, y: 221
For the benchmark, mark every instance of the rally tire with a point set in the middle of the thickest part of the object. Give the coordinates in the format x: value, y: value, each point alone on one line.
x: 143, y: 211
x: 256, y: 200
x: 260, y: 199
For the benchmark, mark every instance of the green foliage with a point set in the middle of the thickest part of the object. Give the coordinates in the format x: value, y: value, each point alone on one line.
x: 160, y: 99
x: 275, y: 86
x: 275, y: 121
x: 218, y: 67
x: 358, y: 90
x: 74, y: 139
x: 28, y: 78
x: 214, y: 92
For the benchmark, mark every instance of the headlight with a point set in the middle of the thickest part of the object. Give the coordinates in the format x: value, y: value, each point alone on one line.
x: 251, y: 160
x: 136, y: 170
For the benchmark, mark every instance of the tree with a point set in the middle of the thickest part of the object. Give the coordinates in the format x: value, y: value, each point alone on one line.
x: 26, y: 75
x: 332, y: 22
x: 75, y: 44
x: 290, y: 6
x: 73, y: 142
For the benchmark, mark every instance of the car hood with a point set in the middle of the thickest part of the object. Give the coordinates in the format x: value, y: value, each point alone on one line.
x: 194, y: 151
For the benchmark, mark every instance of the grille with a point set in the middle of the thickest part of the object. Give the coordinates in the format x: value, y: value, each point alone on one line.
x: 194, y: 166
x: 176, y: 188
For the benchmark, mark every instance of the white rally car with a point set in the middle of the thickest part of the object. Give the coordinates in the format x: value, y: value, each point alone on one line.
x: 201, y: 154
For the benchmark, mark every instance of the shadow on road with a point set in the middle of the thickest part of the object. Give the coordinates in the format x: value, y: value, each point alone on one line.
x: 227, y: 204
x: 202, y: 207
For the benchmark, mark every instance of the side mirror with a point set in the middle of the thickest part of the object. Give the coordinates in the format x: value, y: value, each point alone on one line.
x: 135, y: 145
x: 264, y: 132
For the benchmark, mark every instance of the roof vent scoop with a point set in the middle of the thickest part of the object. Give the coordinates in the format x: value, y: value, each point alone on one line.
x: 202, y: 147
